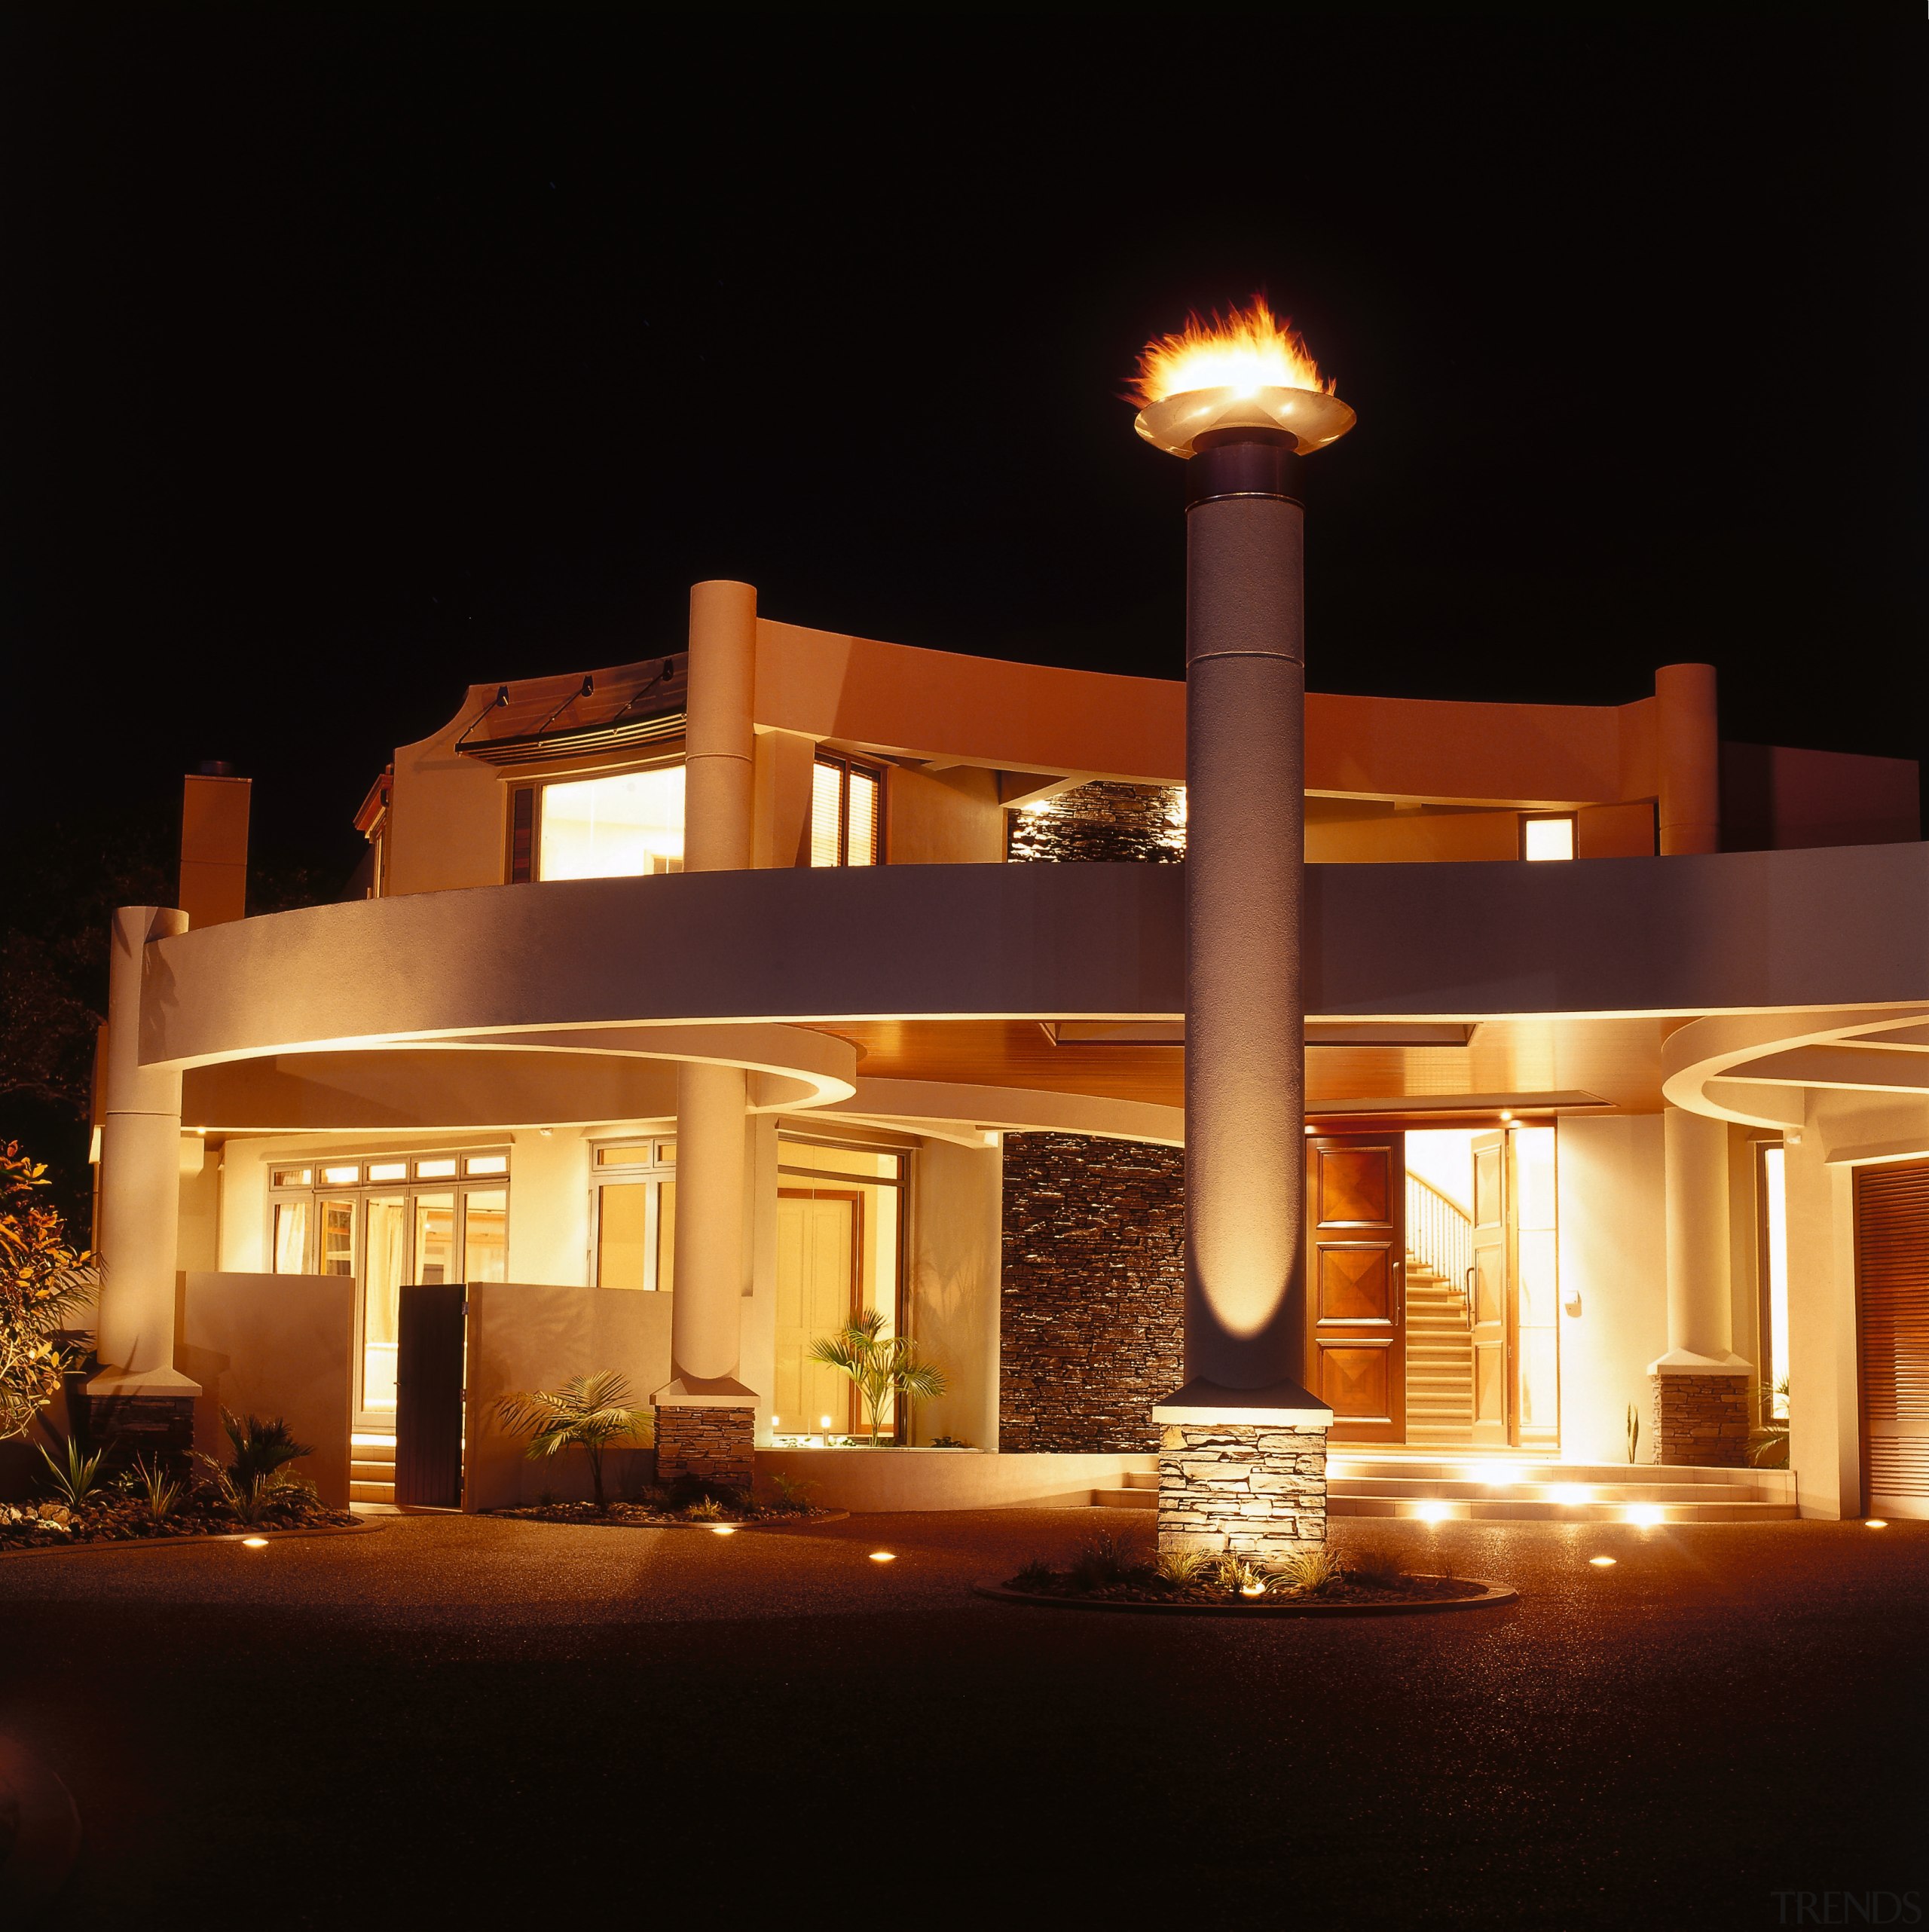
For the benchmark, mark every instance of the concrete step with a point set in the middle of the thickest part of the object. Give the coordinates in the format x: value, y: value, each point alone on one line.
x: 1515, y: 1466
x: 371, y: 1447
x: 1126, y: 1499
x: 1495, y: 1509
x: 371, y: 1491
x: 1572, y: 1494
x: 361, y: 1472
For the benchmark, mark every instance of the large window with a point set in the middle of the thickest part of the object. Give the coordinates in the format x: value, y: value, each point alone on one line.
x: 1771, y: 1267
x: 389, y: 1220
x: 847, y: 813
x: 1548, y: 836
x: 625, y: 826
x: 636, y: 1215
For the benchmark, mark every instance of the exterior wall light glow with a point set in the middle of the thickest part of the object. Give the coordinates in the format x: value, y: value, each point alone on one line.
x: 1571, y: 1494
x: 1647, y: 1514
x: 1433, y: 1512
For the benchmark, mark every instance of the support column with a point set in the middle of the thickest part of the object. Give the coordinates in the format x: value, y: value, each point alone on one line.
x: 1243, y: 1445
x: 1701, y: 1385
x: 706, y: 1418
x: 138, y: 1392
x: 1689, y: 749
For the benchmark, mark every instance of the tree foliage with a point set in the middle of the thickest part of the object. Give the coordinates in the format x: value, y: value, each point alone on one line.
x: 879, y: 1365
x: 588, y: 1412
x: 43, y: 1279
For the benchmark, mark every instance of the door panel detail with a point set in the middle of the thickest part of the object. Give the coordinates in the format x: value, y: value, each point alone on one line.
x: 1355, y: 1253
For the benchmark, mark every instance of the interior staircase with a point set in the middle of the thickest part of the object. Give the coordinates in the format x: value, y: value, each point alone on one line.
x: 1440, y: 1358
x: 371, y: 1469
x: 1516, y: 1489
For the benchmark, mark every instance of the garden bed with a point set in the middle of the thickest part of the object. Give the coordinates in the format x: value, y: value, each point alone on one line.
x: 124, y: 1521
x: 664, y: 1515
x: 1119, y: 1572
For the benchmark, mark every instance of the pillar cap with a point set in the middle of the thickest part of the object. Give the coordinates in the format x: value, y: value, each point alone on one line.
x: 1685, y: 1362
x: 1284, y: 1405
x: 168, y: 1382
x: 705, y: 1392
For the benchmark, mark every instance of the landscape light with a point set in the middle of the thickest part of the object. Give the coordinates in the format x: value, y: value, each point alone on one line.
x: 723, y: 1529
x: 882, y: 1556
x: 1431, y: 1512
x: 1646, y: 1514
x: 1571, y: 1493
x: 1876, y: 1522
x: 1602, y: 1562
x: 254, y: 1542
x: 1252, y: 1589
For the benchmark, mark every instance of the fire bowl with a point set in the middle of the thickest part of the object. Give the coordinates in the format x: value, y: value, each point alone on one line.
x: 1312, y: 420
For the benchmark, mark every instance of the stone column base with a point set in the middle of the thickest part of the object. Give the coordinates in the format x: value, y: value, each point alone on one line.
x: 709, y: 1444
x: 1702, y: 1420
x: 1257, y: 1489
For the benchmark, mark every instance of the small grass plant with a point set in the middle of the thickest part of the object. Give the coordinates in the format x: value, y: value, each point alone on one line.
x: 75, y: 1476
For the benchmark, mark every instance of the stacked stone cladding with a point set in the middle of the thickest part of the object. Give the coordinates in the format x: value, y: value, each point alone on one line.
x: 1702, y: 1420
x: 1257, y: 1490
x: 1093, y: 1298
x: 708, y: 1445
x: 1099, y: 823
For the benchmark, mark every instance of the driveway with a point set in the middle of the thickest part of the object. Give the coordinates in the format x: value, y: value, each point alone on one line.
x: 463, y: 1720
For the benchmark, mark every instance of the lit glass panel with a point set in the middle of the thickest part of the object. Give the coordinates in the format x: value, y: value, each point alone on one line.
x: 487, y: 1163
x: 386, y: 1170
x: 426, y: 1170
x: 1775, y: 1185
x: 341, y: 1177
x: 622, y: 1227
x: 666, y: 1153
x: 666, y: 1237
x: 485, y: 1235
x: 1549, y: 838
x: 386, y: 1235
x: 802, y: 1154
x: 631, y: 1153
x: 293, y: 1177
x: 338, y: 1237
x: 861, y: 823
x: 827, y: 813
x: 618, y: 827
x: 435, y: 1238
x: 290, y: 1237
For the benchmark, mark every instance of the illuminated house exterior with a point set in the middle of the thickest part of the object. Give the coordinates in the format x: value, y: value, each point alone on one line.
x: 692, y: 1004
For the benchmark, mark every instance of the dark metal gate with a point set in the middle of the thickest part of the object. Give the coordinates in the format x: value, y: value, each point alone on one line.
x: 428, y: 1379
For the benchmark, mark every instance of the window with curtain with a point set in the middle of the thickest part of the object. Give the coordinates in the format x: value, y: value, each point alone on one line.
x: 847, y: 813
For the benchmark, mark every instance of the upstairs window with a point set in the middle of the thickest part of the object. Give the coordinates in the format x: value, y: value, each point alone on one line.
x: 625, y: 826
x: 847, y: 814
x: 1549, y: 836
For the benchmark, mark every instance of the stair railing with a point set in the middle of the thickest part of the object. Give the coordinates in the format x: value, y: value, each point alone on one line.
x: 1440, y: 1235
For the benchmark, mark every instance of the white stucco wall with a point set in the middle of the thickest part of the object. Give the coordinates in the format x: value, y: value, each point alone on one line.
x: 954, y: 1264
x: 1613, y: 1281
x: 549, y: 1183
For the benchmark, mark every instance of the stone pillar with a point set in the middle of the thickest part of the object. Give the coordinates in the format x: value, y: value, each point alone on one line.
x: 1688, y: 749
x: 1244, y: 1021
x: 706, y: 1418
x: 1701, y: 1385
x: 137, y: 1391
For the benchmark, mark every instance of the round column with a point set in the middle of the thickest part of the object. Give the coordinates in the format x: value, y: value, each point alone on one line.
x: 1689, y: 749
x: 140, y: 1187
x: 706, y: 1417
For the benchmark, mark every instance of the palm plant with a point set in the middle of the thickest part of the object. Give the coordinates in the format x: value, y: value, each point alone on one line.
x: 879, y: 1365
x: 263, y: 1450
x: 75, y: 1476
x: 1767, y: 1447
x: 588, y: 1412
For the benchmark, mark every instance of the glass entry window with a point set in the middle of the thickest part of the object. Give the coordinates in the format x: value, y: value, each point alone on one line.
x: 636, y: 1215
x: 388, y: 1221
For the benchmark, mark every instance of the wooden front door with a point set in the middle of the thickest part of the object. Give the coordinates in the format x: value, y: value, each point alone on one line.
x: 1356, y: 1255
x: 1489, y: 1289
x: 819, y: 1239
x: 1892, y: 1321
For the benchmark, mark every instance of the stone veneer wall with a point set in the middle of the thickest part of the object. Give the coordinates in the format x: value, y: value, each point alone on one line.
x: 711, y: 1445
x: 1099, y: 822
x: 1702, y: 1420
x: 1092, y: 1294
x: 1256, y: 1489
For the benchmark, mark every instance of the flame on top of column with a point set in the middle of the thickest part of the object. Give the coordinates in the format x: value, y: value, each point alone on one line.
x: 1244, y: 351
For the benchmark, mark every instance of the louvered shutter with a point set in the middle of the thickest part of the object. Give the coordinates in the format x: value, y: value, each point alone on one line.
x: 1892, y: 1294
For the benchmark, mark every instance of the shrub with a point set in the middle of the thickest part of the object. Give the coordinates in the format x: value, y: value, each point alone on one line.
x: 1240, y: 1574
x: 75, y: 1476
x: 1308, y: 1572
x: 43, y: 1280
x: 791, y: 1495
x: 1107, y: 1557
x: 159, y: 1491
x: 256, y: 1479
x: 1186, y: 1570
x: 1036, y: 1575
x: 705, y: 1509
x: 1373, y: 1565
x: 588, y: 1412
x: 879, y: 1365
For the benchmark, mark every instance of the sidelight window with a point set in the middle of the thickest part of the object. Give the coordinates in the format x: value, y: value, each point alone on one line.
x: 847, y: 813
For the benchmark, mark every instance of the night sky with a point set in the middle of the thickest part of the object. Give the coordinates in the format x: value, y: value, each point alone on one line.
x: 353, y: 356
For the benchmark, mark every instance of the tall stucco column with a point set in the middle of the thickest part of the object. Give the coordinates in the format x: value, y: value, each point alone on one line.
x: 137, y: 1391
x: 706, y: 1418
x: 1242, y: 1458
x: 1688, y: 753
x: 1701, y: 1385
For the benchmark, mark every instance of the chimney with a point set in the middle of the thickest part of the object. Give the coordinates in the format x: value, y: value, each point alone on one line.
x: 214, y: 845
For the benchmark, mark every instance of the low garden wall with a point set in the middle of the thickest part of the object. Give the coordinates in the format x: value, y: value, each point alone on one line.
x: 890, y: 1479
